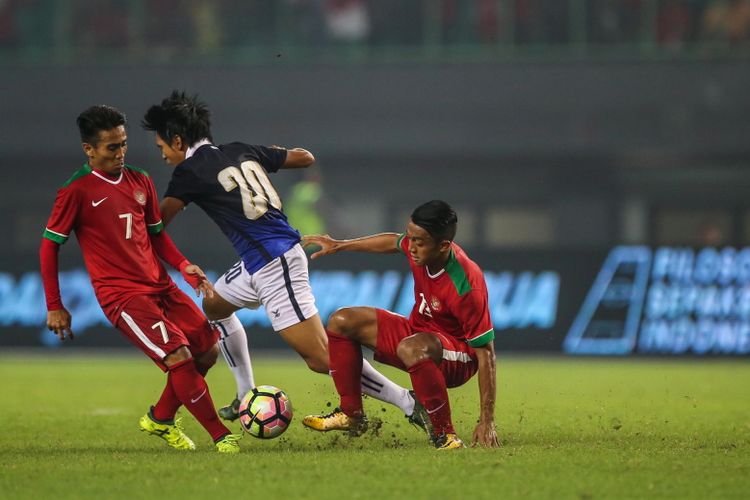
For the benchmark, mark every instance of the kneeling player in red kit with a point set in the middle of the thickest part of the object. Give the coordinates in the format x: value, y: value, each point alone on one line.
x: 114, y: 211
x: 447, y: 338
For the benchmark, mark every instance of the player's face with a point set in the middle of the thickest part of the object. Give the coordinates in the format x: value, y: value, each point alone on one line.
x: 172, y: 153
x: 108, y: 154
x: 424, y: 250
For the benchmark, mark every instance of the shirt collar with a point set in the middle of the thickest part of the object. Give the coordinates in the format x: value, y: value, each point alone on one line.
x: 192, y: 149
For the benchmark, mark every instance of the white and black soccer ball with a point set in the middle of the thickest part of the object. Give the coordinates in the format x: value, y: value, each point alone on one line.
x: 265, y: 412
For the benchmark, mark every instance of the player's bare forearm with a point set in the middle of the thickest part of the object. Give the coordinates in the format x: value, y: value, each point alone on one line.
x: 485, y: 433
x: 377, y: 243
x: 487, y: 381
x: 169, y: 207
x: 298, y: 158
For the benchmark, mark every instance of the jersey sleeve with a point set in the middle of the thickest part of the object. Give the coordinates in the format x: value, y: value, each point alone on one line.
x: 152, y: 214
x: 48, y: 269
x: 402, y: 243
x: 167, y: 250
x: 183, y: 185
x: 64, y: 213
x: 272, y: 159
x: 472, y: 311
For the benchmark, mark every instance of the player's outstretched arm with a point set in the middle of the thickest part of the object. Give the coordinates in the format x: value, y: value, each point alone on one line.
x: 169, y: 207
x: 297, y: 158
x: 377, y: 243
x: 485, y: 433
x: 169, y: 253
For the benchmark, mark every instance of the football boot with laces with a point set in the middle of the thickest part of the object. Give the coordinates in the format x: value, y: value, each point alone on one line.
x: 231, y: 412
x: 337, y: 420
x: 171, y: 432
x: 420, y: 418
x: 229, y: 443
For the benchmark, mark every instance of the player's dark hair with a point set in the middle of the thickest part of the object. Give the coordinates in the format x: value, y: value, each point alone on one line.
x: 179, y: 114
x: 437, y: 218
x: 98, y: 118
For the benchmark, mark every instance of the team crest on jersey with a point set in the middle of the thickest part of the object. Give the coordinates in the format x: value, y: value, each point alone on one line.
x: 435, y: 304
x: 140, y: 196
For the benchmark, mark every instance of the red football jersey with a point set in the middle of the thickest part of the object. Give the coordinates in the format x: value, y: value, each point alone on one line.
x: 112, y: 219
x: 453, y: 301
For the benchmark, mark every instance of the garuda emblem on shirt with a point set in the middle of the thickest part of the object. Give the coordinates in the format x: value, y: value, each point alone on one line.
x: 435, y: 304
x: 140, y: 196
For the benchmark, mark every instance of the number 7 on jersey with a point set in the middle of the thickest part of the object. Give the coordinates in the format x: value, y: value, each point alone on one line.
x: 128, y: 224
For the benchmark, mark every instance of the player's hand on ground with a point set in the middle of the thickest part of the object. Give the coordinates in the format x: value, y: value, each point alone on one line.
x: 485, y: 435
x: 196, y: 278
x: 326, y: 243
x: 60, y: 322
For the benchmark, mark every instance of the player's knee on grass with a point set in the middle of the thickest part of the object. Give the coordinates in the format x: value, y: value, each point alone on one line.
x: 418, y: 347
x: 177, y: 356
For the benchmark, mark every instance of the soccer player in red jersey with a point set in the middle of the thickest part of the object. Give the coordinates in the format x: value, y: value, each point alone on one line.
x: 114, y: 210
x: 447, y: 338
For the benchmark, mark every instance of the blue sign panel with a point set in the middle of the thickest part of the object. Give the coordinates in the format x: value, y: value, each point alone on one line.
x: 669, y: 301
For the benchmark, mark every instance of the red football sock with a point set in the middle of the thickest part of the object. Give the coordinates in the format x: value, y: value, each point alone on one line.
x: 190, y: 388
x: 429, y: 386
x: 345, y: 357
x: 165, y: 409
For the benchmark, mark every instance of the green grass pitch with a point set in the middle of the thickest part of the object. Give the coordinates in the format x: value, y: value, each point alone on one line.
x: 570, y: 428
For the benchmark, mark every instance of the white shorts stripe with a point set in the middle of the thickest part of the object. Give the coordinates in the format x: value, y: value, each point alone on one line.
x: 456, y: 356
x: 142, y: 336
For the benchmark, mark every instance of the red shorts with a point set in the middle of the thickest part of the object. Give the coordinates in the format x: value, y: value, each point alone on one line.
x: 160, y: 324
x: 459, y: 362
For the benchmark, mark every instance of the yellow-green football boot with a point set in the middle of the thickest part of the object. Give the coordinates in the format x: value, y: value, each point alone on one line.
x: 171, y: 432
x: 229, y: 444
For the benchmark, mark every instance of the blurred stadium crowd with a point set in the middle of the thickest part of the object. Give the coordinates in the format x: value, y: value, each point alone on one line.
x: 198, y: 27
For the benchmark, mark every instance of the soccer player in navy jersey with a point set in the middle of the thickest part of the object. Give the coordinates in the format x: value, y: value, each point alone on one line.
x: 230, y: 183
x: 113, y: 209
x: 447, y: 338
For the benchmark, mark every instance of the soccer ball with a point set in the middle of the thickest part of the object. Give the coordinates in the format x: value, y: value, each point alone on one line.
x: 265, y: 412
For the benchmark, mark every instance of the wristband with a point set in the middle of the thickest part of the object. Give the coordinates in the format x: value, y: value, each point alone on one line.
x: 192, y: 279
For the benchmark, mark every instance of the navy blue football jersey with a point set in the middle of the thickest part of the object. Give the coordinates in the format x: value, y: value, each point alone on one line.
x: 230, y: 184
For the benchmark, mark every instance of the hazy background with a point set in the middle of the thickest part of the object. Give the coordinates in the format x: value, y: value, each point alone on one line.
x: 559, y: 129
